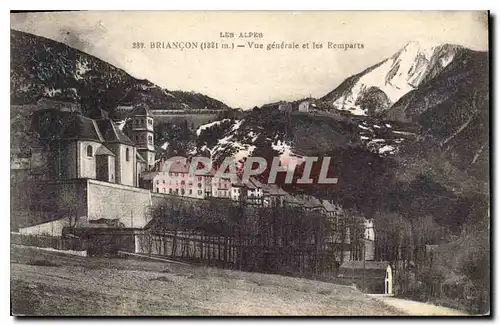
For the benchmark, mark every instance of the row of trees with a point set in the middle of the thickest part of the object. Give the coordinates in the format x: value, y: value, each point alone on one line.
x: 433, y: 262
x: 281, y: 238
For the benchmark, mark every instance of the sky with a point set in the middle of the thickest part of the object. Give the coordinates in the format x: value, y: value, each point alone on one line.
x: 245, y: 77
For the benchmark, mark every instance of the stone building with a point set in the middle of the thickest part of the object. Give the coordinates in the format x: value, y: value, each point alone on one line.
x: 77, y: 146
x: 142, y: 133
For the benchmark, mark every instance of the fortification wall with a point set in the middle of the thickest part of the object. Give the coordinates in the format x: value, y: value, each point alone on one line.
x: 113, y: 201
x: 194, y: 120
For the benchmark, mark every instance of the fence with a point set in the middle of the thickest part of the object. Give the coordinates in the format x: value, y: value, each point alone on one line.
x: 43, y: 241
x: 237, y: 253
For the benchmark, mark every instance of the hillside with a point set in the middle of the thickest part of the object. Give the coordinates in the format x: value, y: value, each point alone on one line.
x: 88, y: 286
x: 41, y: 67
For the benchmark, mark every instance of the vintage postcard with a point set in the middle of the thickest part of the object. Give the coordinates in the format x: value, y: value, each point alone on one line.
x: 171, y: 163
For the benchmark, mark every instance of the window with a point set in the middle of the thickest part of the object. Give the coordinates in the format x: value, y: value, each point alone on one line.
x: 170, y: 191
x: 90, y: 151
x: 150, y: 122
x: 157, y: 182
x: 163, y: 181
x: 182, y: 192
x: 176, y: 191
x: 164, y: 190
x: 183, y: 183
x: 190, y: 191
x: 199, y: 178
x: 150, y: 140
x: 157, y: 189
x: 127, y: 155
x: 199, y: 185
x: 200, y: 192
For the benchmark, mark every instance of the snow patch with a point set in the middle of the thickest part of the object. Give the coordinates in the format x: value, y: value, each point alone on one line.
x: 208, y: 125
x: 386, y: 149
x: 81, y: 69
x: 363, y: 127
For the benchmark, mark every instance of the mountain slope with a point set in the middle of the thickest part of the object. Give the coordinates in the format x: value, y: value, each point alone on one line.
x: 453, y: 110
x: 383, y: 84
x: 41, y: 67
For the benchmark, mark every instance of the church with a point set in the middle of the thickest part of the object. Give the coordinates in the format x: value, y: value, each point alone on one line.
x: 75, y: 146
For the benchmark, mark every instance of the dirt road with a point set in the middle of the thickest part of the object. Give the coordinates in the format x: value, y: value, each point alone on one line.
x: 416, y: 308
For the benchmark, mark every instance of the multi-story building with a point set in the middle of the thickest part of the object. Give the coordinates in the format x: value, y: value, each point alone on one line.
x: 273, y: 195
x: 221, y: 187
x: 255, y: 193
x: 176, y: 180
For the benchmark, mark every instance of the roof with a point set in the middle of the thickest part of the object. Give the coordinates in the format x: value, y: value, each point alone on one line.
x: 98, y: 114
x: 273, y: 190
x: 141, y: 110
x: 293, y: 200
x: 312, y: 202
x: 149, y: 175
x: 256, y: 183
x: 140, y: 158
x: 111, y: 133
x: 175, y: 167
x: 103, y: 150
x: 329, y: 207
x: 81, y: 128
x: 74, y: 126
x: 250, y: 185
x: 359, y: 264
x: 238, y: 184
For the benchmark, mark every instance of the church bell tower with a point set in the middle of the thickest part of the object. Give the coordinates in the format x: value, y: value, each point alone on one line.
x: 143, y: 133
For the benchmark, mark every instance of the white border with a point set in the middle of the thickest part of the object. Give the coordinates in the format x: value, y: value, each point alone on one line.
x: 187, y: 5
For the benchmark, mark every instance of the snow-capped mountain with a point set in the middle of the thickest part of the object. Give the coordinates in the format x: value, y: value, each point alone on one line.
x: 383, y: 84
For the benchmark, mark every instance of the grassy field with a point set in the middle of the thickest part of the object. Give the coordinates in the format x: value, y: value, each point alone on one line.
x: 53, y: 284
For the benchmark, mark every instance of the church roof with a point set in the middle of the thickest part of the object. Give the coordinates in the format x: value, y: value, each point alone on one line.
x: 140, y: 158
x: 111, y: 133
x: 103, y: 150
x: 99, y: 114
x: 81, y: 128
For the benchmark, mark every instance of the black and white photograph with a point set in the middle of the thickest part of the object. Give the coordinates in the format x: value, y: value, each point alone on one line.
x: 250, y: 163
